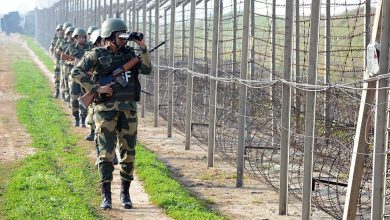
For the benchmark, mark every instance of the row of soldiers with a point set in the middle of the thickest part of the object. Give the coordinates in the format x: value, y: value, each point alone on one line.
x: 84, y: 60
x: 68, y: 46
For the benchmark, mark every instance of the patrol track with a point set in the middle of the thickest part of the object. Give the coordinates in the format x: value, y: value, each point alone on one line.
x: 142, y: 208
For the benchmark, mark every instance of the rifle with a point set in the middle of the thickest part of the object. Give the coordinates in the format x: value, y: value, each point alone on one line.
x: 115, y: 77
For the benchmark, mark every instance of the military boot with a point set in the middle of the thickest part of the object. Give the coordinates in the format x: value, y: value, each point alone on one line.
x: 91, y: 135
x: 106, y: 195
x: 56, y: 93
x: 76, y: 119
x: 125, y: 195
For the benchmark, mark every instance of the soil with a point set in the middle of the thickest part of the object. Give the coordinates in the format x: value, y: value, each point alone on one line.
x: 14, y: 139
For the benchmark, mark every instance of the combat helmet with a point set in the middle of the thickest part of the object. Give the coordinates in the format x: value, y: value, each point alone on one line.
x: 59, y: 27
x: 66, y: 25
x: 79, y: 31
x: 95, y: 36
x: 91, y: 29
x: 112, y: 25
x: 69, y: 29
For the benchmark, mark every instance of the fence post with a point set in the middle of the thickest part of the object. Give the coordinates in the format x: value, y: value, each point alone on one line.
x: 213, y: 85
x: 310, y: 109
x: 381, y: 122
x: 189, y: 76
x: 286, y: 106
x: 110, y: 12
x: 243, y: 96
x: 183, y: 34
x: 298, y: 93
x: 143, y: 78
x: 125, y: 11
x: 172, y: 65
x: 157, y: 61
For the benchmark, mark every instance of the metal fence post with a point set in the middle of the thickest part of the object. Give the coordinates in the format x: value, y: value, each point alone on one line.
x: 213, y: 86
x: 189, y: 76
x: 157, y: 62
x: 143, y: 78
x: 110, y: 12
x: 286, y: 107
x: 172, y: 65
x: 381, y: 122
x: 243, y: 96
x: 310, y: 109
x: 297, y: 68
x: 125, y: 11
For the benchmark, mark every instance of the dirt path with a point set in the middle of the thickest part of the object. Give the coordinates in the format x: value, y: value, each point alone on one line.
x: 142, y: 209
x: 14, y: 139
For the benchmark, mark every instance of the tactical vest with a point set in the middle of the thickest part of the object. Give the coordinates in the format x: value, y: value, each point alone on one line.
x: 107, y: 63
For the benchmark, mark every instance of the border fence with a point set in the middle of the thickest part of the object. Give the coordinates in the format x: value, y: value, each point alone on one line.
x: 274, y: 87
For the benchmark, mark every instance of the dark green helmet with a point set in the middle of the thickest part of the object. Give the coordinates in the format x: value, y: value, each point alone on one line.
x: 59, y: 27
x: 68, y: 30
x: 95, y: 36
x: 91, y: 29
x: 112, y: 25
x: 79, y: 32
x: 66, y: 25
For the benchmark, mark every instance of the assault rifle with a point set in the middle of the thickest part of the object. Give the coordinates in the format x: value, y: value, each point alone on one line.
x: 115, y: 77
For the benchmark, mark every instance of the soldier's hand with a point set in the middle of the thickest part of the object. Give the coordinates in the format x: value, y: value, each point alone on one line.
x: 105, y: 90
x: 141, y: 43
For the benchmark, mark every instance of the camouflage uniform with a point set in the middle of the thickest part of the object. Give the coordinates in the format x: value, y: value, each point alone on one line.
x: 65, y: 68
x: 77, y: 51
x: 56, y: 63
x: 115, y: 117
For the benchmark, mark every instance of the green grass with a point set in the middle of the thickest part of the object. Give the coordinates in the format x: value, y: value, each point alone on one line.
x: 42, y: 55
x: 57, y: 182
x: 168, y: 193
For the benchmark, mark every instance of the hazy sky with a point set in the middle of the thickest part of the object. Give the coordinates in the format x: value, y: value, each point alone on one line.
x: 16, y: 5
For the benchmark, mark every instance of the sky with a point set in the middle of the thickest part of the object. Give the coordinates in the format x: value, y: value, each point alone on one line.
x: 17, y: 5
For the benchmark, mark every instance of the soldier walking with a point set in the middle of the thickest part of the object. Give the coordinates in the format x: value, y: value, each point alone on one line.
x: 116, y: 109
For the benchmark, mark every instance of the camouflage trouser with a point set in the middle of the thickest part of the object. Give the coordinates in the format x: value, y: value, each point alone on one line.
x: 57, y: 76
x: 116, y: 128
x: 75, y: 93
x: 65, y: 71
x: 90, y: 113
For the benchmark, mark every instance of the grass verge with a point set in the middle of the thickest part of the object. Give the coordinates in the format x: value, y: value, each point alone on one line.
x: 57, y: 181
x: 42, y: 55
x: 165, y: 192
x: 168, y: 193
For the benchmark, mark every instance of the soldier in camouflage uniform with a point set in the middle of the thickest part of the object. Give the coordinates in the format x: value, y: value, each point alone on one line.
x: 89, y: 32
x: 116, y: 115
x: 66, y: 67
x: 95, y: 41
x: 57, y: 46
x: 59, y: 35
x: 76, y: 50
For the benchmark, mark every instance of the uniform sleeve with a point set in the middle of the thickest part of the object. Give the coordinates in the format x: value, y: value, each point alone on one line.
x: 146, y: 64
x: 79, y: 72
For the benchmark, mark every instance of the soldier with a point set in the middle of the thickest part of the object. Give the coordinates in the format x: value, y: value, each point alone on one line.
x: 60, y: 42
x: 95, y: 41
x: 59, y: 35
x: 66, y: 67
x: 89, y: 32
x: 116, y: 115
x: 75, y: 52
